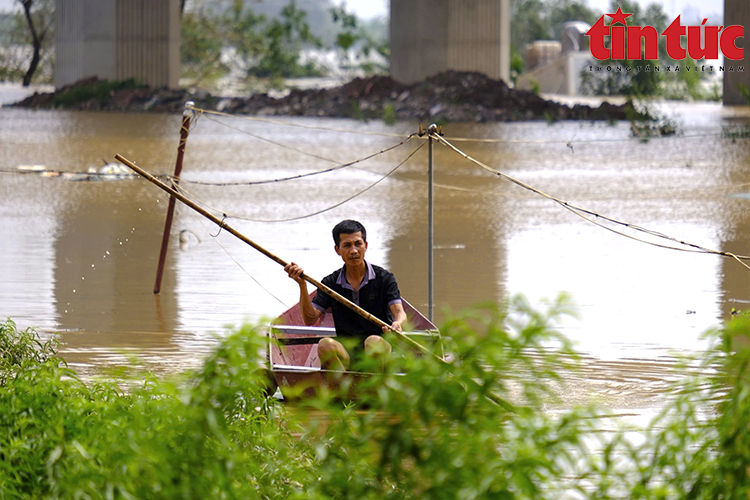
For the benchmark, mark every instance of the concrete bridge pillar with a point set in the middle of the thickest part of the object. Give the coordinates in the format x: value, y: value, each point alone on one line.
x: 118, y: 40
x: 737, y: 12
x: 432, y: 36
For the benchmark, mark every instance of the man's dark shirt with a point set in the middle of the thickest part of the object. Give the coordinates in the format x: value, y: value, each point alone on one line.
x: 375, y: 295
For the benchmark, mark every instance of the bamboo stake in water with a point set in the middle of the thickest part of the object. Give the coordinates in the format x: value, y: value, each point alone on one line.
x: 184, y: 131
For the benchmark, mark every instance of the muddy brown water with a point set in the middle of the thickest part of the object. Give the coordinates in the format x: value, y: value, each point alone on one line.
x: 79, y: 256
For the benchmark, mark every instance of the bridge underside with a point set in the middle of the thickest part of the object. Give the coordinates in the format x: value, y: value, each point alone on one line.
x: 118, y: 40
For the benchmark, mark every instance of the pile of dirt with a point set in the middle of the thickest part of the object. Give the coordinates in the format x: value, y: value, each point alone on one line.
x: 448, y: 97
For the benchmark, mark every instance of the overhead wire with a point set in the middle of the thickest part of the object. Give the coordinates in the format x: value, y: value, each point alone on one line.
x: 588, y: 214
x: 347, y: 199
x: 216, y: 239
x: 300, y: 176
x: 275, y: 143
x: 201, y: 112
x: 291, y: 124
x: 180, y: 188
x: 567, y: 142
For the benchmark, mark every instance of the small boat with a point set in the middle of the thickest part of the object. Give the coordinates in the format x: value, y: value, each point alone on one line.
x: 293, y: 353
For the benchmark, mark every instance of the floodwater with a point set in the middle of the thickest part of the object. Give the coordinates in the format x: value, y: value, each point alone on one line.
x: 79, y: 256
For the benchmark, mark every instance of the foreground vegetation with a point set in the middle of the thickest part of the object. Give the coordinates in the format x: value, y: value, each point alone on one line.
x: 431, y: 433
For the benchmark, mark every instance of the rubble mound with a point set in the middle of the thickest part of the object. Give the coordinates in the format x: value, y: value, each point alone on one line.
x: 452, y: 96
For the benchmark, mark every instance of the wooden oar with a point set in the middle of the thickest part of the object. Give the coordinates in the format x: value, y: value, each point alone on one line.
x: 320, y: 286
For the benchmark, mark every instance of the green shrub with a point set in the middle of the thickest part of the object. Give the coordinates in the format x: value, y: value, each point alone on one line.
x: 64, y: 439
x: 20, y: 347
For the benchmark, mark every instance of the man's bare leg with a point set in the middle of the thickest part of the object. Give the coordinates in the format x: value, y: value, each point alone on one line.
x: 378, y: 348
x: 333, y: 355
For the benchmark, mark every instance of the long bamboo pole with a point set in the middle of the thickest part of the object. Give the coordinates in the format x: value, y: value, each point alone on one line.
x: 320, y: 286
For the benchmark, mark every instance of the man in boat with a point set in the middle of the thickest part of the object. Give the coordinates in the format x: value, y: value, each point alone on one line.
x: 371, y: 287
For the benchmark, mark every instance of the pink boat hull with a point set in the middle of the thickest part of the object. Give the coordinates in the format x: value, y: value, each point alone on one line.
x: 293, y: 353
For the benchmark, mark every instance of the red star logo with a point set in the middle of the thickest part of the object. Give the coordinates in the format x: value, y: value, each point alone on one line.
x: 619, y: 17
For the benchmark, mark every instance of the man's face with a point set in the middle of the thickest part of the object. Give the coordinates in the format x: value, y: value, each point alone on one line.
x: 352, y: 248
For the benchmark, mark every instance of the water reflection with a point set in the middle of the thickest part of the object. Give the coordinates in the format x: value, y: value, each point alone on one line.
x: 32, y: 300
x: 633, y: 299
x: 105, y: 264
x: 80, y: 257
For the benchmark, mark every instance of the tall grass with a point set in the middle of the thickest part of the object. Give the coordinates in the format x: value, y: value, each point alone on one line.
x: 417, y: 430
x: 21, y: 347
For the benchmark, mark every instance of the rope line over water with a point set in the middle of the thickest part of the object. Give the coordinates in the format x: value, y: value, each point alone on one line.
x: 300, y: 176
x: 278, y: 144
x: 218, y: 242
x: 590, y: 215
x: 181, y: 189
x: 291, y: 124
x: 573, y: 142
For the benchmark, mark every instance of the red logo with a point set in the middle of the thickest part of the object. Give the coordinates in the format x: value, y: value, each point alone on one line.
x: 625, y: 41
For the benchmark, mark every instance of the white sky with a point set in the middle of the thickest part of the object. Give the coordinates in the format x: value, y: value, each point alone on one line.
x: 367, y: 9
x: 373, y: 8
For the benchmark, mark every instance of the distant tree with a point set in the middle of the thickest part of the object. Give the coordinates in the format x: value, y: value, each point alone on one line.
x: 349, y: 34
x: 202, y: 42
x: 282, y: 41
x: 26, y: 37
x: 355, y: 43
x: 39, y: 16
x: 543, y: 19
x: 269, y: 40
x: 243, y: 32
x: 317, y: 15
x: 225, y: 36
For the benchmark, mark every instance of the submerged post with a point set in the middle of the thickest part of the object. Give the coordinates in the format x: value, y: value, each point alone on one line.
x: 184, y: 131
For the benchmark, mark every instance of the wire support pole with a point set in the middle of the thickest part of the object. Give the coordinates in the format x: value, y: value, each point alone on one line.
x: 432, y: 132
x: 184, y: 132
x: 430, y: 231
